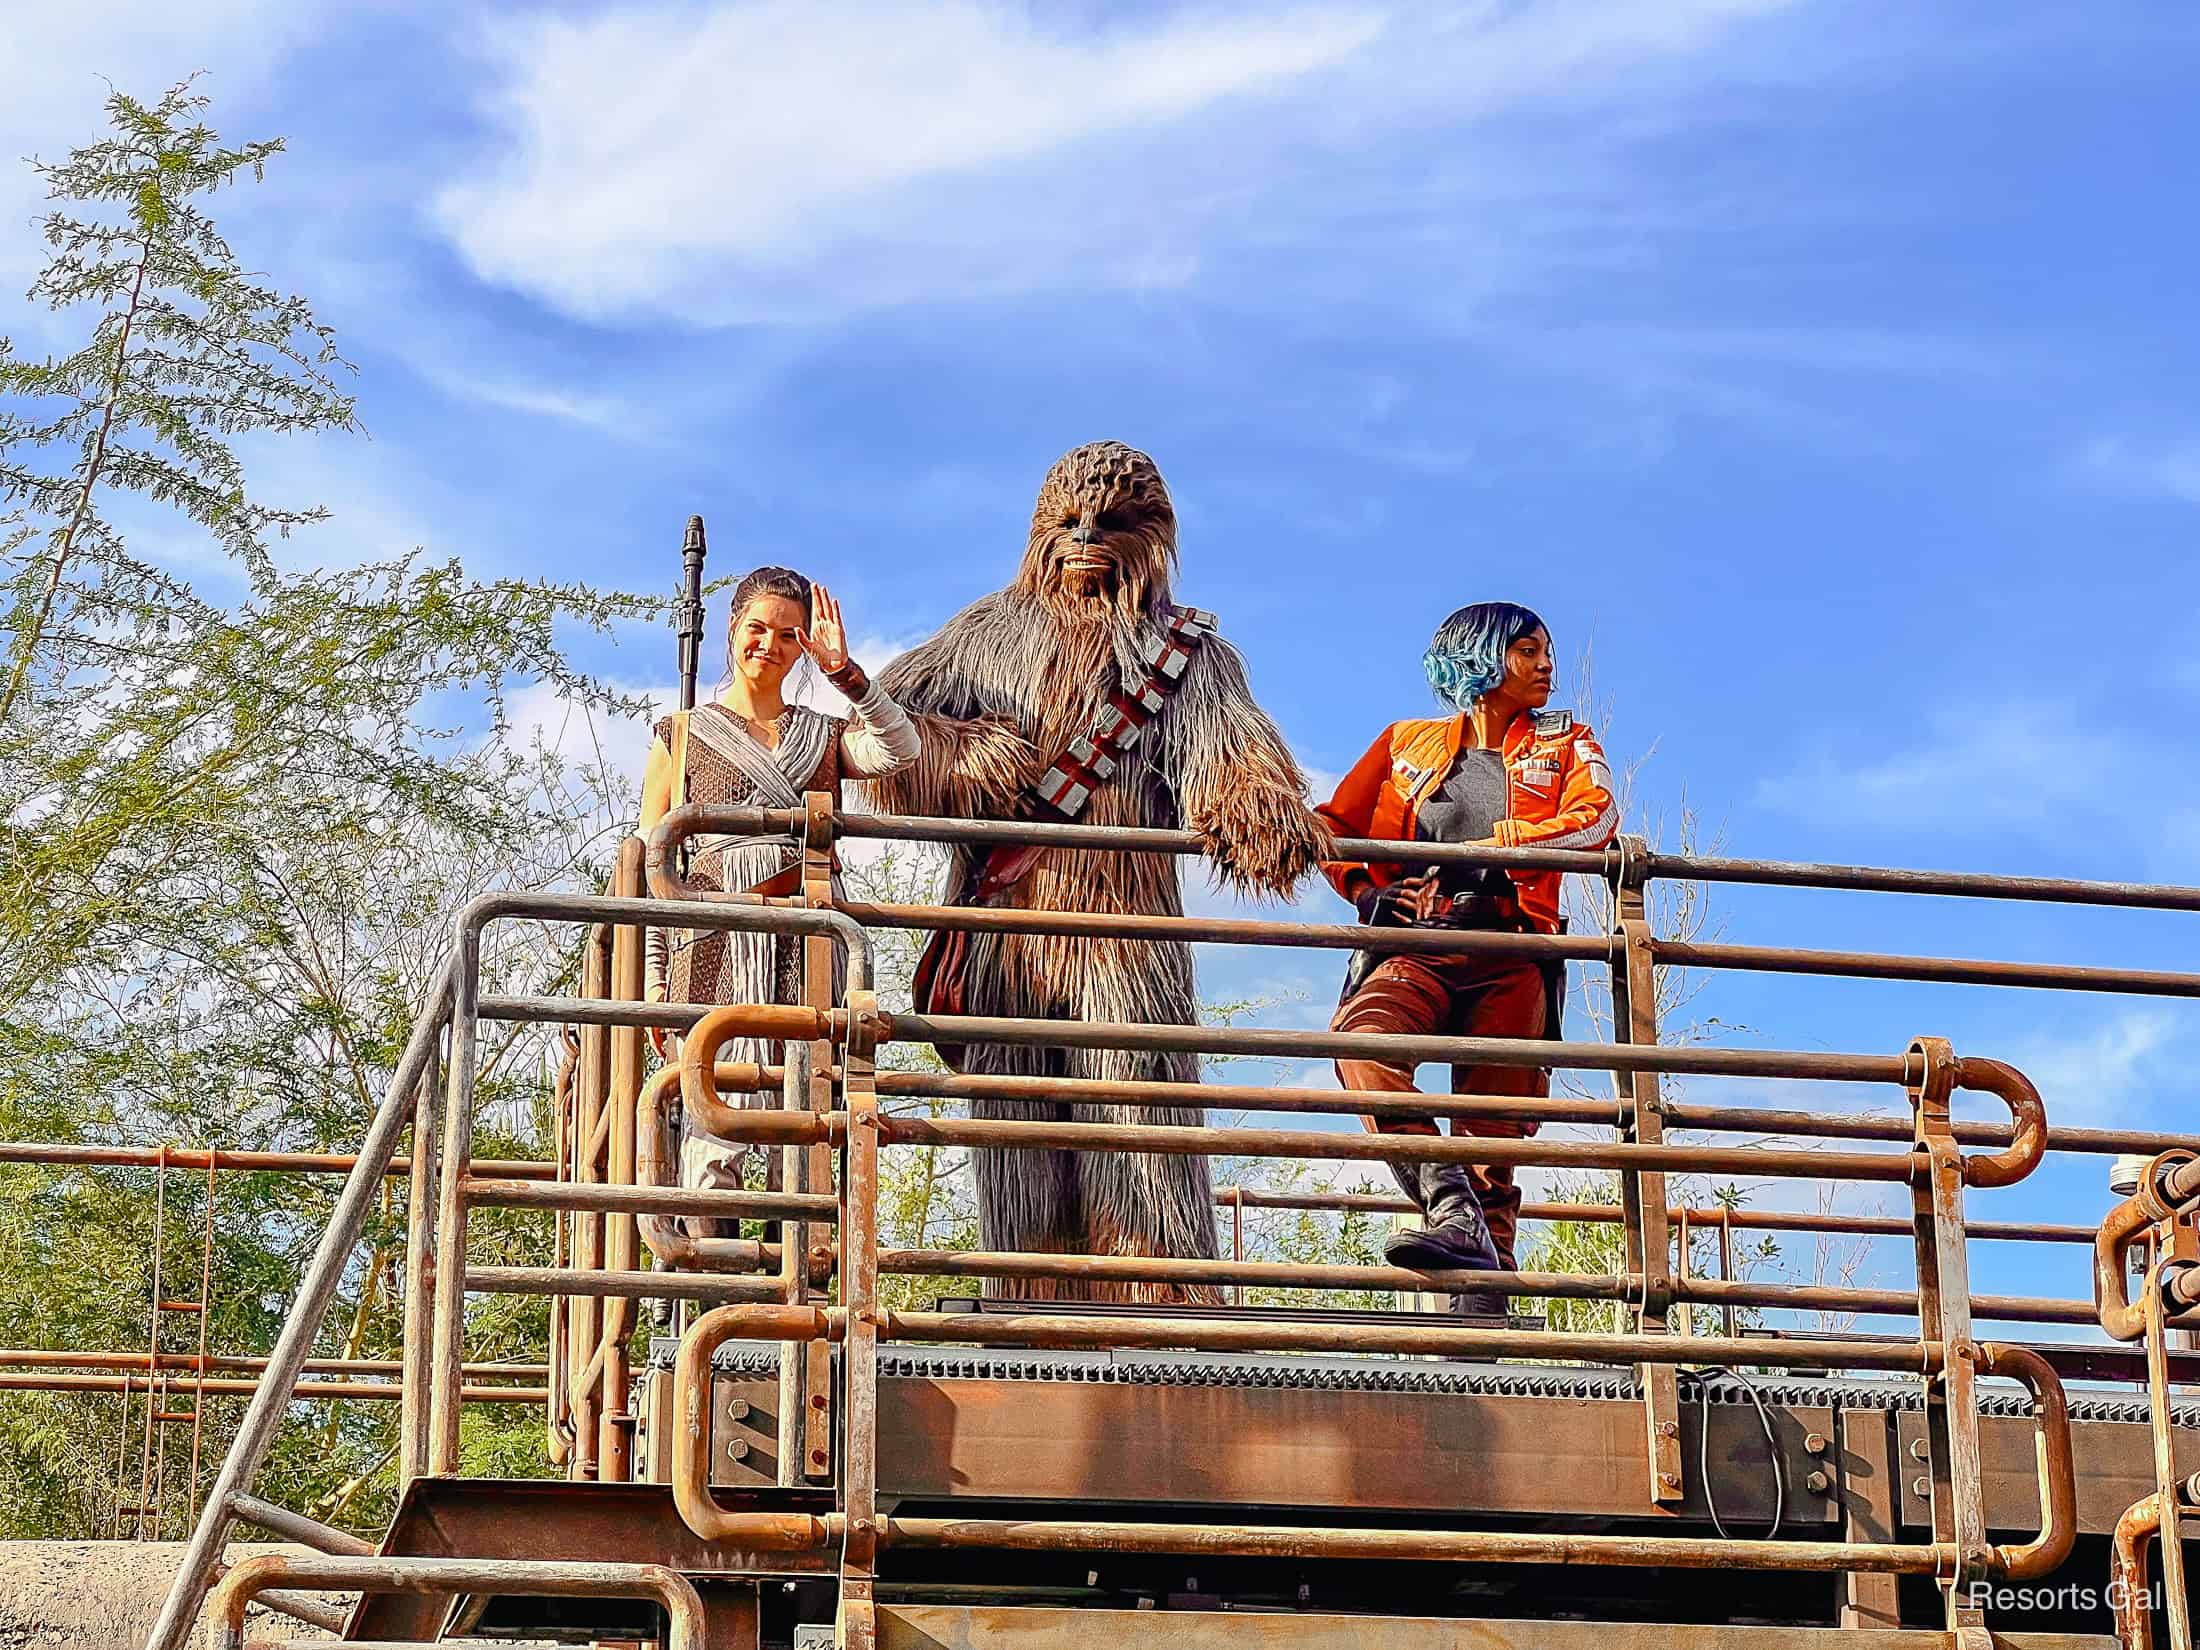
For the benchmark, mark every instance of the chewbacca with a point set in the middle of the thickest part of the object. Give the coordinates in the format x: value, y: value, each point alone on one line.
x: 1089, y: 606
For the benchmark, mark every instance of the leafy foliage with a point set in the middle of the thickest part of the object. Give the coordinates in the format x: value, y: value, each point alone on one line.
x: 238, y: 812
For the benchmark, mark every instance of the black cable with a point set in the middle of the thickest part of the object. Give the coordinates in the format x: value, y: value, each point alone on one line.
x: 1704, y: 1378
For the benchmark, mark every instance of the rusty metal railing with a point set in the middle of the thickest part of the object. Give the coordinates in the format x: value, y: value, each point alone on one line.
x: 2164, y: 1214
x: 808, y: 1293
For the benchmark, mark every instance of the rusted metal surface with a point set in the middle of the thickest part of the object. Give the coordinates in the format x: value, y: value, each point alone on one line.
x: 643, y: 1198
x: 622, y: 1242
x: 604, y: 1284
x: 691, y: 1463
x: 620, y: 1147
x: 2129, y: 1594
x: 420, y: 1270
x: 668, y: 1588
x: 859, y: 1351
x: 296, y: 1526
x: 62, y: 1358
x: 219, y: 1387
x: 1036, y: 1627
x: 1347, y: 1453
x: 1433, y: 1338
x: 73, y: 1156
x: 1306, y: 1144
x: 1865, y: 1467
x: 2154, y: 1205
x: 1459, y: 1546
x: 1648, y: 1238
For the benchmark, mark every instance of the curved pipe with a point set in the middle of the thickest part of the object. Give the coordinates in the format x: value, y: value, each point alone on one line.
x: 2027, y: 1122
x: 2046, y: 1551
x: 699, y: 1509
x: 660, y: 851
x: 677, y: 1248
x: 683, y: 1606
x: 2128, y: 1594
x: 769, y: 1022
x: 2122, y: 1227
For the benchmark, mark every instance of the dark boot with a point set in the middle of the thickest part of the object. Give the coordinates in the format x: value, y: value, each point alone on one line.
x: 1455, y: 1238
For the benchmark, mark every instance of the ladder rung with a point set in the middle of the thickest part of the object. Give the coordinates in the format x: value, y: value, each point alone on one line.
x: 182, y: 1306
x: 175, y: 1415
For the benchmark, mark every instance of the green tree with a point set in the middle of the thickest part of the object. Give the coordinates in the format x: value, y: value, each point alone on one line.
x: 238, y: 811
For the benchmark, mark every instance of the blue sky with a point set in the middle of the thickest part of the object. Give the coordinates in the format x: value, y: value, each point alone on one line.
x: 1827, y: 368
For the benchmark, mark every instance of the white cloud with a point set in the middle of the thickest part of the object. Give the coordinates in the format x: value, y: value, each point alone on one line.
x: 606, y: 414
x: 2101, y: 1073
x: 1978, y: 770
x: 2170, y: 468
x: 762, y: 158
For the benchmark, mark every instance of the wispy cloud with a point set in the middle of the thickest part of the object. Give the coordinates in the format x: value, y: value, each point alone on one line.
x: 761, y: 159
x: 2167, y: 468
x: 606, y: 414
x: 1981, y: 770
x: 2105, y: 1072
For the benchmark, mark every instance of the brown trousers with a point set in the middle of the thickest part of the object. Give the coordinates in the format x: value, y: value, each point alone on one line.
x: 1454, y: 996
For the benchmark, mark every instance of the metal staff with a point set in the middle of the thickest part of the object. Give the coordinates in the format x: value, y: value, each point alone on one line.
x: 692, y: 552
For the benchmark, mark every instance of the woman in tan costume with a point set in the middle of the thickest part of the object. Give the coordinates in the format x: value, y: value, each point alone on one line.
x: 752, y: 746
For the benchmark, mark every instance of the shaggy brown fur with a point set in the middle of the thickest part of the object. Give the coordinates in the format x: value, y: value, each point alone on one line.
x: 1040, y: 655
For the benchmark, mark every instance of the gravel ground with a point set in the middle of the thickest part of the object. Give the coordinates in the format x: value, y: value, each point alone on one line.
x: 101, y: 1595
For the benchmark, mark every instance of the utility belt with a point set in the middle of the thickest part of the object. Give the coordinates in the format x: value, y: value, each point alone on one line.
x: 1475, y: 899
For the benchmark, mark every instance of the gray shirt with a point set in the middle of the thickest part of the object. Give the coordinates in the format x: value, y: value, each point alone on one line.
x: 1468, y: 804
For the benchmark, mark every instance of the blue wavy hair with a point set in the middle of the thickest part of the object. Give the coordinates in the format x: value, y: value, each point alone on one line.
x: 1467, y: 658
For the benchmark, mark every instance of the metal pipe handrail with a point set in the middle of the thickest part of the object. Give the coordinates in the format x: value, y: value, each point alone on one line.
x: 1650, y: 864
x: 76, y: 1156
x: 189, y: 1362
x: 683, y: 1606
x: 1763, y: 1220
x: 750, y: 1078
x: 2169, y: 1180
x: 301, y: 1391
x: 324, y: 1273
x: 1623, y: 1287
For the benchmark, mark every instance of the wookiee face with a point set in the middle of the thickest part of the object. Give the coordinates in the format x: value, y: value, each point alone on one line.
x: 1103, y: 535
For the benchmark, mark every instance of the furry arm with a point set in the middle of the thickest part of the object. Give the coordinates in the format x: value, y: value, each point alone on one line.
x: 975, y: 762
x: 975, y: 769
x: 1238, y: 784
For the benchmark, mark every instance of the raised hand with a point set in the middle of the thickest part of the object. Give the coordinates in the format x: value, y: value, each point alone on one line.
x: 826, y: 641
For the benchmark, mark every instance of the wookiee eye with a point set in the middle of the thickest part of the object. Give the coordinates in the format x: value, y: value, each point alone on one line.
x: 1069, y: 518
x: 1114, y: 521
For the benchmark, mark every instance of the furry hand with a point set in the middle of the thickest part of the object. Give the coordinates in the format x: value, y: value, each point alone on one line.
x: 1263, y: 845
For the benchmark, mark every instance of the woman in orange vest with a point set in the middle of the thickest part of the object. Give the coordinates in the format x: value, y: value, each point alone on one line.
x: 1501, y: 770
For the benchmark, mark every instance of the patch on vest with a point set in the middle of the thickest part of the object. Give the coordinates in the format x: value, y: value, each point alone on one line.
x: 1549, y: 724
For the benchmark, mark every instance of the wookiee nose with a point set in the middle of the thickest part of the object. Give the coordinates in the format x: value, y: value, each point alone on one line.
x: 1085, y: 532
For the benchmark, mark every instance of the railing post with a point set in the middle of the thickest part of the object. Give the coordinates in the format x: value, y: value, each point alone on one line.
x: 1643, y: 1195
x: 794, y: 1278
x: 455, y: 1167
x: 586, y: 1313
x: 818, y: 992
x: 1944, y: 1317
x: 622, y: 1238
x: 416, y: 1407
x: 859, y: 1353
